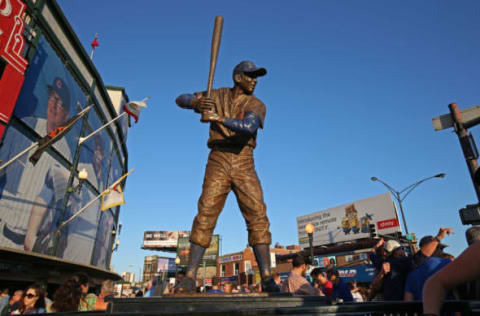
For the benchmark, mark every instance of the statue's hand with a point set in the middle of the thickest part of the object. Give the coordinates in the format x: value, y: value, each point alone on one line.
x: 205, y: 104
x: 214, y: 117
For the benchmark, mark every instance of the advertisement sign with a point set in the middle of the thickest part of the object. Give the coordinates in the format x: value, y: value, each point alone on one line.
x: 166, y: 265
x: 163, y: 239
x: 102, y: 251
x: 210, y: 256
x: 322, y: 262
x: 350, y: 221
x: 12, y: 63
x: 31, y: 207
x: 363, y: 273
x: 231, y: 258
x: 95, y: 155
x: 32, y: 196
x: 49, y: 97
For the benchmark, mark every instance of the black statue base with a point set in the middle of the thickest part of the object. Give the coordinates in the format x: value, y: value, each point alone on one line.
x: 214, y: 303
x: 264, y: 304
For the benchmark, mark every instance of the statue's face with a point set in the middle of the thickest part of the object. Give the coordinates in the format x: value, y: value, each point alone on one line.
x: 247, y: 83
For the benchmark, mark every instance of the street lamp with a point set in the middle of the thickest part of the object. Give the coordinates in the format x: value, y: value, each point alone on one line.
x: 82, y: 176
x: 398, y: 194
x: 309, y: 228
x: 177, y: 262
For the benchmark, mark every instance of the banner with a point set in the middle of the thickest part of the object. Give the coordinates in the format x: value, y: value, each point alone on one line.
x: 363, y: 273
x: 49, y: 97
x: 32, y: 197
x: 96, y: 155
x: 163, y: 239
x: 350, y: 221
x: 166, y: 265
x: 103, y: 251
x: 31, y: 207
x: 210, y: 256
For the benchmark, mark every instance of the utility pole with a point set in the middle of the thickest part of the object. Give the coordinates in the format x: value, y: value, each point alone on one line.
x: 461, y: 120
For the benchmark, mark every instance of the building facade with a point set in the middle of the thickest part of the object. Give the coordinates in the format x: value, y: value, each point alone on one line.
x: 156, y: 266
x: 47, y: 79
x: 128, y: 277
x: 242, y: 268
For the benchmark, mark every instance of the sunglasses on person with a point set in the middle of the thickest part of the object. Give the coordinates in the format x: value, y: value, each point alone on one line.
x: 30, y: 295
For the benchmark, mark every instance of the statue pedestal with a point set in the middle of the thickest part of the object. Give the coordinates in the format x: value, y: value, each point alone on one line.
x: 203, y: 303
x: 263, y: 304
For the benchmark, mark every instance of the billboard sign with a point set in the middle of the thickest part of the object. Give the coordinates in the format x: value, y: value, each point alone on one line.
x: 225, y: 259
x: 163, y: 239
x: 350, y: 221
x: 322, y: 262
x: 166, y: 265
x: 210, y: 256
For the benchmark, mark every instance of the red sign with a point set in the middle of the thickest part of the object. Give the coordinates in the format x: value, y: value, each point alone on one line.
x: 11, y: 49
x: 11, y: 33
x: 388, y: 223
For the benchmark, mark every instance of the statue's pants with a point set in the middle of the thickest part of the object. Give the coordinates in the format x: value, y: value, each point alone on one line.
x: 228, y: 171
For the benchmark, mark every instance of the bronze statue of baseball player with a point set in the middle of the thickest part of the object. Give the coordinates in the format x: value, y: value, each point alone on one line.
x: 235, y: 115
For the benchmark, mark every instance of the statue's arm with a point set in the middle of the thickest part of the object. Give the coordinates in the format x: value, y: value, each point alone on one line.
x: 248, y: 125
x: 187, y: 101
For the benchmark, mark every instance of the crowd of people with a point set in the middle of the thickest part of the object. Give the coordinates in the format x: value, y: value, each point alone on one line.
x: 428, y: 274
x: 72, y: 296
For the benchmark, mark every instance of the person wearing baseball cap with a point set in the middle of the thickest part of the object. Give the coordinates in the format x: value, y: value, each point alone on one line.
x: 58, y: 106
x: 235, y: 115
x: 417, y: 278
x: 39, y: 233
x: 400, y: 265
x: 340, y: 288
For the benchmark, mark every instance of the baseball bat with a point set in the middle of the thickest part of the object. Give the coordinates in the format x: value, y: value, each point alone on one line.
x: 217, y: 36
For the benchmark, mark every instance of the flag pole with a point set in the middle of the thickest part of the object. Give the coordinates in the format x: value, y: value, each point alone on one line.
x: 93, y: 46
x: 26, y: 150
x: 18, y: 155
x: 68, y: 221
x: 84, y: 139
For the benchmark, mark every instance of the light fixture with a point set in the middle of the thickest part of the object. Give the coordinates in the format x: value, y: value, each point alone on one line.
x: 309, y: 228
x: 82, y: 176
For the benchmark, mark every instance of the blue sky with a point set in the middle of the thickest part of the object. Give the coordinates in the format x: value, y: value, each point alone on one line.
x: 350, y: 92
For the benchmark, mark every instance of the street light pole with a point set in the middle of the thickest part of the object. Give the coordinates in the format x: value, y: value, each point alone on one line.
x: 398, y: 194
x: 309, y: 228
x: 177, y: 262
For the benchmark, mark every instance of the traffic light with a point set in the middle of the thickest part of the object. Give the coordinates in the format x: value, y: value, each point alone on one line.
x: 372, y: 231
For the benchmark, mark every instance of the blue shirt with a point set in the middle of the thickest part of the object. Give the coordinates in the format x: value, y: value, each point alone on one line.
x: 417, y: 278
x: 341, y: 290
x: 394, y: 281
x: 216, y: 291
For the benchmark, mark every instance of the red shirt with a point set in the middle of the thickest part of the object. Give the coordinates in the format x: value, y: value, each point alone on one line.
x: 328, y: 289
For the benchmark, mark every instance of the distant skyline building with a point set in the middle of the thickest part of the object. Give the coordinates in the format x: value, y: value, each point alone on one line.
x: 128, y: 277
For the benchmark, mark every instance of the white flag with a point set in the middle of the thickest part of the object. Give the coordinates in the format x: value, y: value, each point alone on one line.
x: 133, y: 108
x: 112, y: 198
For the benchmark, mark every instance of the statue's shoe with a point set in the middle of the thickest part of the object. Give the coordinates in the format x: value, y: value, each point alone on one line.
x: 269, y: 286
x: 187, y: 285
